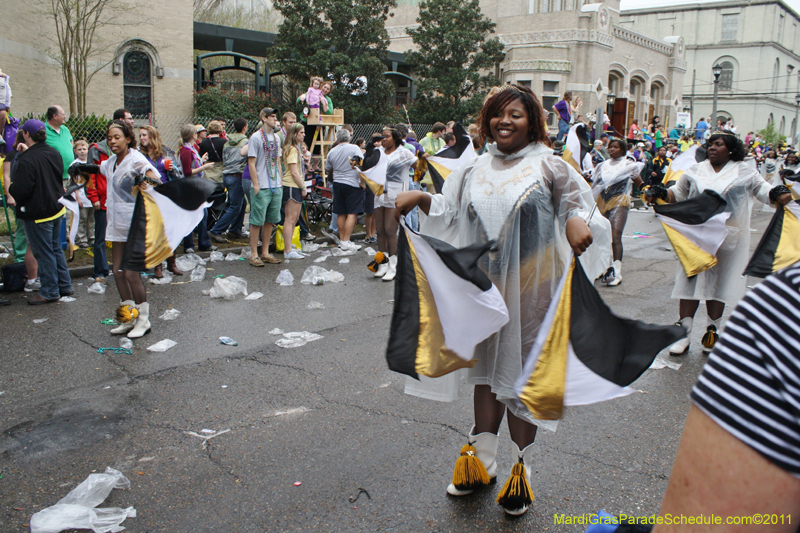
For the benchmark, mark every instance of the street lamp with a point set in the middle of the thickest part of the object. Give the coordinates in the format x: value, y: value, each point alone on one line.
x: 717, y: 70
x: 794, y: 133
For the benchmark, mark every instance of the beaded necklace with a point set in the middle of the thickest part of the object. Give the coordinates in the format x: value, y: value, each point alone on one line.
x: 271, y: 160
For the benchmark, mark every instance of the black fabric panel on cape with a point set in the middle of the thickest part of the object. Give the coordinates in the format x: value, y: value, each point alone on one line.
x: 694, y: 210
x: 436, y: 178
x: 189, y: 193
x: 401, y: 353
x: 371, y: 157
x: 763, y: 258
x: 583, y: 137
x: 463, y: 261
x: 136, y: 248
x: 617, y: 349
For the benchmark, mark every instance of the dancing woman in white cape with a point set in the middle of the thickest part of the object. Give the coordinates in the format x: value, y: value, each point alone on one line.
x: 534, y: 205
x: 725, y: 173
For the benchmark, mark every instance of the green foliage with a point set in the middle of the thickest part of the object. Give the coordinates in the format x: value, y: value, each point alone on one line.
x: 452, y: 50
x: 428, y: 110
x: 342, y: 41
x: 771, y: 136
x: 232, y: 104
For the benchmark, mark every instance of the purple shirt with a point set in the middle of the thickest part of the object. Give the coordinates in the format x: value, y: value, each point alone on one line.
x: 563, y: 109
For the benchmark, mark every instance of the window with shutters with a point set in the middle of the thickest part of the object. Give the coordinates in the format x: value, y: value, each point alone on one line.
x: 730, y: 27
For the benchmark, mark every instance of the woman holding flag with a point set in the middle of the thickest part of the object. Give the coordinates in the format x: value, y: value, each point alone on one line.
x: 611, y: 189
x: 532, y: 205
x: 726, y: 174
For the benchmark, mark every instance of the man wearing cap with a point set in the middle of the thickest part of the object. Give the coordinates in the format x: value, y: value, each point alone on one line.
x: 264, y: 160
x: 37, y: 187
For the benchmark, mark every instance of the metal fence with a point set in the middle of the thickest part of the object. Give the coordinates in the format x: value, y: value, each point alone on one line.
x: 93, y: 128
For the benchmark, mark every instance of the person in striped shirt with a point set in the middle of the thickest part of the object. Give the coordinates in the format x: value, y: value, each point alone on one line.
x: 739, y: 455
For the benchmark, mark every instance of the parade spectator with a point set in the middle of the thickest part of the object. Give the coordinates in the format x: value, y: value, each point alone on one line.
x: 433, y: 141
x: 36, y: 189
x: 222, y: 122
x: 234, y: 157
x: 202, y: 133
x: 449, y: 139
x: 264, y: 162
x: 633, y: 131
x: 563, y: 111
x: 22, y: 252
x: 449, y: 127
x: 348, y: 196
x: 123, y: 115
x: 96, y: 193
x: 212, y: 146
x: 657, y: 168
x: 700, y: 129
x: 60, y: 138
x: 193, y: 164
x: 288, y: 120
x: 85, y: 235
x: 294, y: 188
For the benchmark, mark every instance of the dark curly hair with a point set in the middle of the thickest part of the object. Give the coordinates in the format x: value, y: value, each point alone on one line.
x: 619, y: 142
x: 537, y: 130
x: 733, y: 143
x: 126, y: 130
x: 396, y: 136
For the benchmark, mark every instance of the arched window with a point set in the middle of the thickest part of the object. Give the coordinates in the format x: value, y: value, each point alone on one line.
x: 137, y: 83
x: 726, y: 78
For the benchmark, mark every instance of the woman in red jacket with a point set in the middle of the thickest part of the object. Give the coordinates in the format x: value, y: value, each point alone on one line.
x: 96, y: 193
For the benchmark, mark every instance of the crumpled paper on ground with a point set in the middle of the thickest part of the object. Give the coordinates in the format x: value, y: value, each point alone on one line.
x: 78, y: 509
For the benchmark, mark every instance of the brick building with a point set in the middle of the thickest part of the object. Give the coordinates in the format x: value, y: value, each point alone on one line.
x: 554, y: 46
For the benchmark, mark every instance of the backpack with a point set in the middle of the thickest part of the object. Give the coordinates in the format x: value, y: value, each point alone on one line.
x: 14, y: 276
x: 10, y: 134
x: 233, y: 162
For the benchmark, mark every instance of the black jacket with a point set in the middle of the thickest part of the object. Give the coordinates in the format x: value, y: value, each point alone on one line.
x: 37, y: 184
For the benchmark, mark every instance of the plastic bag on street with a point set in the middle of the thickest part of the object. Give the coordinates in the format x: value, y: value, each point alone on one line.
x: 276, y: 331
x: 198, y: 274
x: 295, y: 339
x: 246, y: 252
x: 320, y: 259
x: 170, y: 314
x: 370, y: 251
x: 338, y: 252
x: 77, y: 510
x: 315, y: 305
x: 228, y: 288
x: 216, y: 256
x: 344, y: 260
x: 328, y: 276
x: 285, y: 278
x: 186, y: 263
x: 126, y: 343
x: 162, y: 346
x: 97, y: 288
x: 167, y: 279
x: 309, y: 247
x: 254, y: 296
x: 232, y: 257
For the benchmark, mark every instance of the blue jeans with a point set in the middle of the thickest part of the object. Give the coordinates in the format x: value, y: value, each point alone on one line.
x: 334, y: 227
x: 45, y: 242
x: 233, y: 182
x: 238, y: 225
x: 563, y: 130
x: 202, y: 234
x: 413, y: 216
x: 99, y: 248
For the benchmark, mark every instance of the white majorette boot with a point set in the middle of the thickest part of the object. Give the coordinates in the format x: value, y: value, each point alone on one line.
x: 711, y: 335
x: 682, y: 346
x: 617, y: 265
x: 392, y: 271
x: 142, y: 326
x: 517, y: 495
x: 476, y: 467
x: 125, y: 316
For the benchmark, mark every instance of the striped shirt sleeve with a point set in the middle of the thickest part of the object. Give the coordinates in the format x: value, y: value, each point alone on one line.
x: 750, y: 385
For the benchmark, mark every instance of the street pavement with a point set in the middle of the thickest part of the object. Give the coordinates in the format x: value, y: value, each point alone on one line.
x: 309, y: 427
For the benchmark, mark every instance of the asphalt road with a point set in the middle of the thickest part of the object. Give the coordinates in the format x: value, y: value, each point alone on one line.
x: 310, y: 426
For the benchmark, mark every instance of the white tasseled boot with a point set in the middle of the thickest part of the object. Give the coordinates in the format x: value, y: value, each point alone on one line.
x: 617, y: 274
x: 517, y: 495
x: 142, y: 326
x: 711, y: 335
x: 392, y: 271
x: 682, y: 346
x: 382, y: 269
x: 125, y: 327
x: 477, y: 466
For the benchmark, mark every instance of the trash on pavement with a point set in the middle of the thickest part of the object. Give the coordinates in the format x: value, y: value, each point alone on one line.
x: 309, y: 247
x: 227, y: 341
x: 216, y: 256
x: 344, y: 260
x: 198, y: 274
x: 370, y: 251
x: 295, y: 339
x: 78, y: 509
x: 337, y: 252
x: 126, y: 351
x: 276, y: 331
x: 97, y: 288
x: 66, y: 299
x: 285, y: 278
x: 227, y: 288
x: 162, y: 346
x: 170, y: 314
x: 187, y: 262
x: 126, y: 343
x: 254, y: 296
x: 164, y: 280
x: 246, y: 252
x: 40, y: 320
x: 232, y: 257
x: 320, y: 259
x: 297, y: 483
x: 109, y: 322
x: 328, y: 276
x: 315, y: 305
